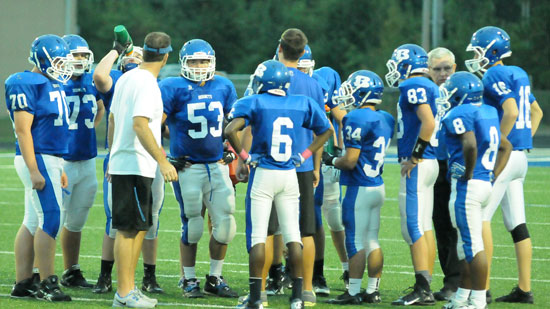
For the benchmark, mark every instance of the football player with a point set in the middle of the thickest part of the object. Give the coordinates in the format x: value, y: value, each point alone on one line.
x: 441, y: 64
x: 367, y: 134
x: 195, y: 105
x: 408, y: 67
x: 85, y: 113
x: 274, y: 117
x: 507, y: 88
x: 37, y: 106
x: 105, y: 80
x: 476, y: 148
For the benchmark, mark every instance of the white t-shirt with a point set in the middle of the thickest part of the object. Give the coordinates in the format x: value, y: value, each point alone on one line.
x: 136, y: 94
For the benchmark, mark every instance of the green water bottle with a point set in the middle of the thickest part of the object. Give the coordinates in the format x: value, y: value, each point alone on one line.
x: 123, y: 37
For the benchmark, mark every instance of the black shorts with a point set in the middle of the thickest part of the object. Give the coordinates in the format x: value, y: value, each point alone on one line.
x: 132, y: 202
x: 307, y: 208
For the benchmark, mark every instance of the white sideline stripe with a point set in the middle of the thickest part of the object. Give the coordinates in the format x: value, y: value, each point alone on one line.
x: 159, y: 304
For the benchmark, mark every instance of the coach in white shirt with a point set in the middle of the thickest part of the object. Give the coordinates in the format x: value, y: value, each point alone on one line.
x: 135, y: 128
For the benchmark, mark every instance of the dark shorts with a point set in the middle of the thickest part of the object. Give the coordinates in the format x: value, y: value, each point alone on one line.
x: 307, y: 207
x: 132, y: 202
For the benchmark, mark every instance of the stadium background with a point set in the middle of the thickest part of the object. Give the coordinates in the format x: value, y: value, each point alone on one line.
x: 346, y: 35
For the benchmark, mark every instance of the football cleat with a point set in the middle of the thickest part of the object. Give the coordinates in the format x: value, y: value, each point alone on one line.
x: 320, y: 286
x: 49, y: 290
x: 372, y: 298
x: 418, y: 296
x: 489, y: 297
x: 73, y: 277
x: 345, y: 278
x: 103, y: 284
x: 454, y: 304
x: 217, y: 286
x: 132, y: 300
x: 346, y: 299
x: 153, y: 301
x: 149, y: 284
x: 309, y: 298
x: 244, y: 301
x: 297, y: 304
x: 191, y: 288
x: 24, y: 289
x: 517, y: 296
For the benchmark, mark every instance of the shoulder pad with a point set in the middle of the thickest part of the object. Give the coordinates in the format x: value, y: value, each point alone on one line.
x: 26, y: 78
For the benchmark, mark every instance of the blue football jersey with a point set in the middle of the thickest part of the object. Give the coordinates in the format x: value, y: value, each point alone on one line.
x: 276, y: 121
x: 371, y: 132
x: 503, y: 82
x: 483, y: 120
x: 81, y: 96
x: 324, y: 86
x: 440, y: 149
x: 333, y: 81
x: 303, y: 84
x: 107, y: 97
x: 195, y: 116
x: 413, y: 92
x: 45, y: 100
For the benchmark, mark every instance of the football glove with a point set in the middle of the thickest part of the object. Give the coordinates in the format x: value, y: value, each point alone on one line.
x: 120, y: 47
x: 178, y: 163
x: 297, y: 159
x: 328, y: 159
x: 252, y: 159
x: 228, y: 156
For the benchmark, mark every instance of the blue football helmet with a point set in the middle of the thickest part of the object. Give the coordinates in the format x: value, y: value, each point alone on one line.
x: 51, y: 55
x: 361, y: 87
x: 197, y: 49
x: 306, y: 62
x: 406, y: 60
x: 132, y: 60
x: 460, y: 88
x: 78, y: 46
x: 270, y: 76
x: 490, y: 44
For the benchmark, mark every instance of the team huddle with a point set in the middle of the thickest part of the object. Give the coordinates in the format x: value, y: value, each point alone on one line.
x: 309, y: 146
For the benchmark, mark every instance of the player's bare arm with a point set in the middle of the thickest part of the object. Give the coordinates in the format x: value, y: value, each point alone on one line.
x: 424, y: 113
x: 536, y: 117
x: 509, y: 116
x: 469, y: 150
x: 102, y: 78
x: 349, y: 160
x: 503, y: 154
x: 23, y: 122
x: 231, y: 132
x: 100, y: 113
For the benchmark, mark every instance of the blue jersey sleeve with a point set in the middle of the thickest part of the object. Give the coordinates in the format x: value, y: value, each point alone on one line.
x: 231, y: 98
x: 168, y: 96
x: 21, y: 97
x: 316, y: 120
x: 353, y: 132
x: 498, y: 85
x: 459, y: 120
x: 242, y: 109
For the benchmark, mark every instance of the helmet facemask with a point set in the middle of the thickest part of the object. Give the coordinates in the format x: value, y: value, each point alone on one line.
x: 393, y: 75
x: 198, y: 74
x: 306, y: 66
x: 58, y: 68
x: 480, y: 62
x: 82, y: 66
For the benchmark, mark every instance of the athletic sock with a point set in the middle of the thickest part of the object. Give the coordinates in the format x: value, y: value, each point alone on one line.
x: 189, y: 272
x: 149, y: 269
x: 372, y: 285
x: 345, y: 266
x: 479, y: 298
x: 297, y: 288
x: 216, y: 267
x: 354, y: 286
x: 318, y: 268
x: 107, y: 267
x: 255, y: 290
x: 462, y: 295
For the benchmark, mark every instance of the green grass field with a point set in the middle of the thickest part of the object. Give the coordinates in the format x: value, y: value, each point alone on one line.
x: 397, y: 274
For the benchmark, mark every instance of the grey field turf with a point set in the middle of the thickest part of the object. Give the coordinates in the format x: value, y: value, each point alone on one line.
x: 397, y: 274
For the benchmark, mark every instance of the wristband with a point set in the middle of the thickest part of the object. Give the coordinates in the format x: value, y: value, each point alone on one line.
x: 306, y: 154
x: 243, y: 154
x: 419, y: 148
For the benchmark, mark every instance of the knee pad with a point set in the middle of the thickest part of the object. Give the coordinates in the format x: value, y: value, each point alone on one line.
x: 225, y: 230
x: 520, y: 233
x: 192, y: 230
x: 76, y: 217
x: 152, y: 233
x: 332, y: 210
x: 371, y: 242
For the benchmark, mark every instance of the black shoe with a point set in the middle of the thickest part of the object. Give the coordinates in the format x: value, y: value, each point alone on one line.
x: 488, y: 297
x: 372, y: 298
x: 35, y: 278
x: 517, y: 296
x: 149, y: 284
x: 345, y: 277
x: 73, y: 277
x: 418, y: 296
x: 191, y: 288
x: 346, y: 299
x: 274, y: 286
x: 103, y: 284
x: 49, y: 290
x: 444, y: 294
x: 24, y: 289
x: 320, y: 286
x: 218, y: 287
